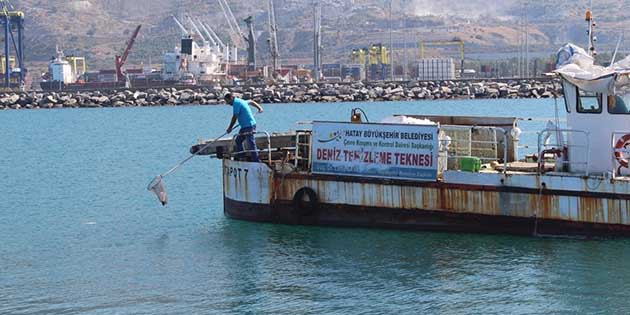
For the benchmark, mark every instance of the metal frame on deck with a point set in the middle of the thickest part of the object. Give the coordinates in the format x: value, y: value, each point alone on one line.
x: 542, y: 146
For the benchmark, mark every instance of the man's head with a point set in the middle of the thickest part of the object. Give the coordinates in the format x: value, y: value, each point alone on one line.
x: 229, y: 98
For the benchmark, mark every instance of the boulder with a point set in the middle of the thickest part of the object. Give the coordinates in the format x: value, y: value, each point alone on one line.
x: 186, y: 97
x: 71, y: 102
x: 138, y: 95
x: 51, y: 99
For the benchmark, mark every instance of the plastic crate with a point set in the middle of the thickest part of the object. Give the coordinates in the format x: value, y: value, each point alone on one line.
x: 470, y: 164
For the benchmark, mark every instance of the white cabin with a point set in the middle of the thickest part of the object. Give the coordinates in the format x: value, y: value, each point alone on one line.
x: 597, y: 102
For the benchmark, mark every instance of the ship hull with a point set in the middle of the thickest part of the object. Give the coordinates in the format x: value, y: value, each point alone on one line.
x: 337, y: 215
x: 460, y: 202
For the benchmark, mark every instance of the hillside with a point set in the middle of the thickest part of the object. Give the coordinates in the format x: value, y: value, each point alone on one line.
x: 98, y: 29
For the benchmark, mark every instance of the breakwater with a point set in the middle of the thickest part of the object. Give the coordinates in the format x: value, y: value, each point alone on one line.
x: 291, y: 93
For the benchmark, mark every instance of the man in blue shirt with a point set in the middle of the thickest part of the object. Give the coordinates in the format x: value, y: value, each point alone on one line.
x: 243, y: 114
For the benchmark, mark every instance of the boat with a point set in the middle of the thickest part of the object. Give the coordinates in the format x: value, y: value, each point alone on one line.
x: 450, y: 173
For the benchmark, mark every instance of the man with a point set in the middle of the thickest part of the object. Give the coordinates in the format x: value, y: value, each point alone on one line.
x: 243, y: 114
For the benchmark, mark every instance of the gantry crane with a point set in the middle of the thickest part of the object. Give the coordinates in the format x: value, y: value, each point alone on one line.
x: 12, y: 20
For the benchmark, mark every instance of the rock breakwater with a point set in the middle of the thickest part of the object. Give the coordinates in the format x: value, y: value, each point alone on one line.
x: 293, y: 93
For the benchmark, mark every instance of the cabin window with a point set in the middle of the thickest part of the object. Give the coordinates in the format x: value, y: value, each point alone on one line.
x: 589, y: 103
x: 617, y: 104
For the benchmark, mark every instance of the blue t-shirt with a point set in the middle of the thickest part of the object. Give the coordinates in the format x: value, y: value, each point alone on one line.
x: 243, y: 112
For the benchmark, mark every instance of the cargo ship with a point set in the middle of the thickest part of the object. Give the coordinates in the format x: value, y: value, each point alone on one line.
x: 450, y: 173
x: 195, y: 61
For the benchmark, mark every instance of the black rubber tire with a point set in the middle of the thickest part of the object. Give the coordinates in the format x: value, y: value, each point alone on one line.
x: 305, y: 208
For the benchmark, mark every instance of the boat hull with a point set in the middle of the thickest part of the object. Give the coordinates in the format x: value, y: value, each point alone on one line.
x: 419, y: 220
x: 459, y: 202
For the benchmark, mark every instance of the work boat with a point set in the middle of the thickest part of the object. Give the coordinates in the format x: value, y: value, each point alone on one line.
x: 449, y: 173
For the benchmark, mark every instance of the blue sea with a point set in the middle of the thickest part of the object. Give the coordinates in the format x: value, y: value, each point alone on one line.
x: 80, y: 234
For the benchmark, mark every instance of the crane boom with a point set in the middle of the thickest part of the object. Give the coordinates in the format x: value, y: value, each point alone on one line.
x: 236, y: 35
x: 234, y: 21
x: 120, y: 60
x: 208, y: 34
x: 216, y: 38
x: 184, y: 30
x: 190, y: 20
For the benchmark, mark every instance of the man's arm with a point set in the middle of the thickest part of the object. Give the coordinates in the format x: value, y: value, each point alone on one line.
x: 232, y: 123
x: 253, y: 103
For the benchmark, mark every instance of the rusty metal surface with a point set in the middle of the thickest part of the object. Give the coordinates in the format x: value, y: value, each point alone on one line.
x: 544, y: 197
x: 247, y: 181
x: 468, y: 200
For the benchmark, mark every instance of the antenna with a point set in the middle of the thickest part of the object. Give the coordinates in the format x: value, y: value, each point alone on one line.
x: 614, y: 56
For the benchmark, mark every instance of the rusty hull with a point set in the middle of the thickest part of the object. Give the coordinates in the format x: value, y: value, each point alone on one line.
x: 493, y: 204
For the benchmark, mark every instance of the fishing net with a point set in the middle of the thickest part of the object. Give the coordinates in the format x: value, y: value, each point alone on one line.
x: 157, y: 187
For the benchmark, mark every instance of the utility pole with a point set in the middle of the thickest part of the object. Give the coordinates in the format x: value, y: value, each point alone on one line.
x: 391, y: 44
x: 317, y: 40
x: 273, y: 36
x: 404, y: 30
x: 526, y: 42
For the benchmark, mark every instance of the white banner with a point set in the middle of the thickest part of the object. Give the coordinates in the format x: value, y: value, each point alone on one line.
x: 376, y: 150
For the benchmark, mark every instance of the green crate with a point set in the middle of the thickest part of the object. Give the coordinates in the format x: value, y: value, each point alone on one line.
x: 470, y: 164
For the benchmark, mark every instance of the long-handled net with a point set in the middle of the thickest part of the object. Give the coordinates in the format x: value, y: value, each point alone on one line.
x: 157, y: 187
x: 157, y: 184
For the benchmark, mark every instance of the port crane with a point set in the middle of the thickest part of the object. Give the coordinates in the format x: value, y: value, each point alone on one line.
x: 120, y: 60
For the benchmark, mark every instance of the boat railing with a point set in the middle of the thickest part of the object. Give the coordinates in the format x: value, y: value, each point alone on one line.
x: 618, y: 153
x: 462, y: 144
x: 562, y: 149
x: 268, y: 149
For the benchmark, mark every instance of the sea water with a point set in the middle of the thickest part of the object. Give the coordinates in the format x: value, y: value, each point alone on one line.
x: 80, y: 234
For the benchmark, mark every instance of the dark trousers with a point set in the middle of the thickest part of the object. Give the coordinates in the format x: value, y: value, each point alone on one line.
x: 247, y: 134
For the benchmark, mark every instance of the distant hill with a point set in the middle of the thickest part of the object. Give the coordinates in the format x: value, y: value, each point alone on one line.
x: 99, y: 29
